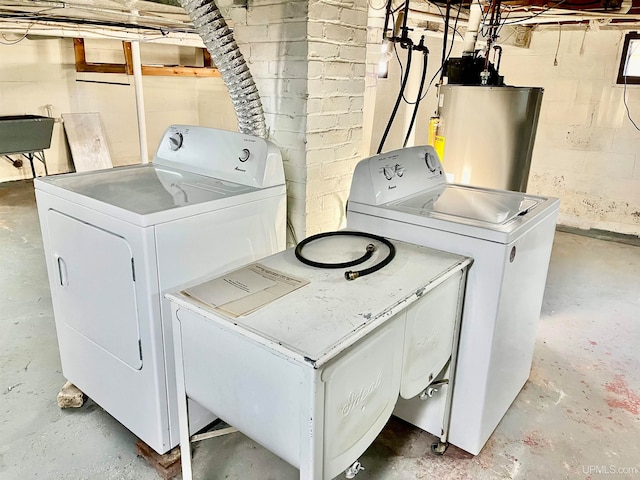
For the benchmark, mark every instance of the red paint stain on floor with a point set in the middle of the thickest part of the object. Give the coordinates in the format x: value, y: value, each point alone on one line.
x: 531, y: 439
x: 624, y: 398
x: 592, y: 343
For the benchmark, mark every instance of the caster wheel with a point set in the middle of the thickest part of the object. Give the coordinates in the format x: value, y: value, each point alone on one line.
x: 438, y: 448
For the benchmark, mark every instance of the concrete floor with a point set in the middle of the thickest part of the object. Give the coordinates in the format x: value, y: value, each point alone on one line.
x: 577, y: 417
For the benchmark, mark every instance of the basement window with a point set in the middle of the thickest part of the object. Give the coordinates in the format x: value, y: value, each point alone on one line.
x: 629, y: 71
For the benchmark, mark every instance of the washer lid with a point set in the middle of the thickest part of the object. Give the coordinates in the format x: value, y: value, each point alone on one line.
x: 468, y: 204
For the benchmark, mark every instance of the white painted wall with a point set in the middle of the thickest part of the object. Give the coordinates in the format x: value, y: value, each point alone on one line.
x: 36, y: 73
x: 587, y: 152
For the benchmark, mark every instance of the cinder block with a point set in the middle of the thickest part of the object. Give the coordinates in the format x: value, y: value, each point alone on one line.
x: 349, y: 120
x: 337, y: 104
x: 337, y: 169
x: 323, y: 50
x: 338, y: 33
x: 321, y: 122
x: 354, y: 17
x: 320, y: 10
x: 289, y: 31
x: 253, y: 33
x: 321, y: 155
x: 353, y: 53
x: 338, y: 70
x: 265, y: 15
x: 296, y: 49
x: 70, y: 396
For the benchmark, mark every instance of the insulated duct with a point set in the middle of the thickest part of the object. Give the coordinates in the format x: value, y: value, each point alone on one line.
x: 226, y: 55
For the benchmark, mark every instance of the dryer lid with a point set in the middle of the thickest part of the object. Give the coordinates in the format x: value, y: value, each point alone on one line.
x: 148, y: 189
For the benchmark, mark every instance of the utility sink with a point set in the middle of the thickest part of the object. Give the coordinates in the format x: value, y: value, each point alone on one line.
x: 25, y: 133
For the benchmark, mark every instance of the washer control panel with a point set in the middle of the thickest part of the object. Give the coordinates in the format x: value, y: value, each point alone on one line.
x: 390, y: 176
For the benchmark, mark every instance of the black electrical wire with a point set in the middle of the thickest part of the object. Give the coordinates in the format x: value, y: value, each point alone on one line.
x: 442, y: 15
x: 444, y: 60
x: 624, y: 95
x: 535, y: 15
x: 446, y: 31
x: 398, y: 100
x: 425, y: 61
x: 349, y: 274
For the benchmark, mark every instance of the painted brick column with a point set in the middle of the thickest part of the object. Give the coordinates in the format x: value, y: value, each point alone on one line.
x: 337, y: 35
x: 308, y: 61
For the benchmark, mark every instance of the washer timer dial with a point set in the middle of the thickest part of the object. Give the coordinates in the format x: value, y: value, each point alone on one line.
x: 431, y: 161
x: 175, y: 141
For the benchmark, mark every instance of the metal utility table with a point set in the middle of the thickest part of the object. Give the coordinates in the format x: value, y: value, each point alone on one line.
x: 25, y: 136
x: 314, y: 375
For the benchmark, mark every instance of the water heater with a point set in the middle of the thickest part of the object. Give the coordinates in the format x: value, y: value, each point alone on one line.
x: 486, y: 134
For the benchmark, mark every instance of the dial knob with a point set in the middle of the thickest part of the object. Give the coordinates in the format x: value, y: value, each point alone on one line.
x: 431, y: 161
x: 388, y: 172
x: 175, y: 141
x: 244, y: 155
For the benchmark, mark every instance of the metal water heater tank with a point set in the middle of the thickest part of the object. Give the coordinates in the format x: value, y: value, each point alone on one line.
x: 487, y: 134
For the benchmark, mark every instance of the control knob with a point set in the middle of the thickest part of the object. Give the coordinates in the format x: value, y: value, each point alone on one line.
x: 431, y: 161
x: 244, y: 155
x: 388, y: 172
x: 175, y: 141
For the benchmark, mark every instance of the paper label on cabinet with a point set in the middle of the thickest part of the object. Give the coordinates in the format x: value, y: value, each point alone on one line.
x: 245, y: 290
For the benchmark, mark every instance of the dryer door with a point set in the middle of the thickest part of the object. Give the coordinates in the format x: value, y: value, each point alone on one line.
x: 94, y: 291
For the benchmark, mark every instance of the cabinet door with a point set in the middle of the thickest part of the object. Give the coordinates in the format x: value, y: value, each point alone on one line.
x: 94, y: 286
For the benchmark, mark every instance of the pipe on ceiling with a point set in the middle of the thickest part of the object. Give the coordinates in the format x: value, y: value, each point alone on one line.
x: 226, y: 55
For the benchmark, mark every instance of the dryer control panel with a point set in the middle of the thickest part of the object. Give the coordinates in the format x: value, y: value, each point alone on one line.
x: 235, y: 157
x: 397, y: 174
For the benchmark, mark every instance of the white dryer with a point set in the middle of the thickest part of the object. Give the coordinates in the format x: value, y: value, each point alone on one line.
x: 117, y: 240
x: 404, y: 195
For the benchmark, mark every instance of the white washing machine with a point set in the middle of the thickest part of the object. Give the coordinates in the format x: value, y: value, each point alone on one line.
x: 116, y: 240
x: 404, y: 195
x: 314, y: 375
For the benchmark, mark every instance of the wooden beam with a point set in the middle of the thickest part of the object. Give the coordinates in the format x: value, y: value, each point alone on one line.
x: 128, y: 57
x: 206, y: 59
x: 180, y: 71
x: 83, y: 66
x: 164, y: 70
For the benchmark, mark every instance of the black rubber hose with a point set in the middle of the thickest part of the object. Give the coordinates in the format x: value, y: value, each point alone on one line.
x: 425, y: 60
x: 349, y: 275
x: 395, y: 108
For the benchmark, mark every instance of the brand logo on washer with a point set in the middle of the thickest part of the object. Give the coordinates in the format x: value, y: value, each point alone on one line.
x: 357, y: 399
x: 240, y: 169
x: 391, y: 187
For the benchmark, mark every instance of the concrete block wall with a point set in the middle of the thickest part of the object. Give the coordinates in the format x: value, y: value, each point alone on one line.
x: 587, y: 152
x: 35, y: 74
